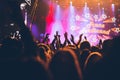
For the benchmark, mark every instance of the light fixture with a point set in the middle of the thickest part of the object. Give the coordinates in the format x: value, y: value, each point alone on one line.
x: 22, y: 6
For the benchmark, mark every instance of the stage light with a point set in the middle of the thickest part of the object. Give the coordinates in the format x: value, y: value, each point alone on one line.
x: 56, y: 1
x: 85, y: 3
x: 113, y: 4
x: 113, y: 19
x: 12, y: 24
x: 104, y: 16
x: 99, y: 4
x: 70, y: 2
x: 113, y: 9
x: 86, y: 11
x: 71, y: 19
x: 22, y: 6
x: 77, y: 18
x: 57, y: 14
x: 87, y: 15
x: 96, y: 17
x: 73, y: 28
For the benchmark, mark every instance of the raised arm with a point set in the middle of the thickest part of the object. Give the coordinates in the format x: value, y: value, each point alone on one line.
x: 80, y: 38
x: 66, y: 39
x: 72, y: 39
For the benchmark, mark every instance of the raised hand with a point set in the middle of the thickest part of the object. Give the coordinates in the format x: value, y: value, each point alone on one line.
x: 85, y: 38
x: 66, y: 35
x: 80, y: 37
x: 72, y: 38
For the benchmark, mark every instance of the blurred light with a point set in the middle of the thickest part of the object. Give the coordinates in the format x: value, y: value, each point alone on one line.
x: 17, y: 32
x: 77, y: 17
x: 113, y: 7
x: 70, y: 2
x: 117, y: 30
x: 113, y: 19
x: 73, y: 28
x: 86, y: 11
x: 113, y: 4
x: 71, y: 19
x: 41, y: 35
x: 85, y: 3
x: 71, y: 10
x: 12, y: 24
x: 87, y: 15
x: 57, y: 14
x: 56, y: 1
x: 104, y: 16
x: 103, y: 13
x: 98, y: 3
x: 96, y: 17
x: 58, y: 5
x: 25, y: 18
x: 22, y: 6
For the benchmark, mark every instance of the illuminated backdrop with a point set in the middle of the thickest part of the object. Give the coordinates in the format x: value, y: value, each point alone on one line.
x: 96, y: 19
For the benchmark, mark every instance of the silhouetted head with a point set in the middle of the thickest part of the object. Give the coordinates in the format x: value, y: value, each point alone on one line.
x: 85, y: 45
x: 64, y: 65
x: 107, y: 46
x: 95, y: 49
x: 83, y: 56
x: 42, y: 53
x: 92, y: 59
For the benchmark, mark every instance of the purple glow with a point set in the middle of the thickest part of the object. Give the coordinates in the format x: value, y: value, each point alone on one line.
x: 35, y: 31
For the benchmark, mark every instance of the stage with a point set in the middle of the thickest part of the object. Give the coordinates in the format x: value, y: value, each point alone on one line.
x: 94, y: 19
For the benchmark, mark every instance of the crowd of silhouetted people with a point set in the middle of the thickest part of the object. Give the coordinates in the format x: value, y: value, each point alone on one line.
x: 29, y: 59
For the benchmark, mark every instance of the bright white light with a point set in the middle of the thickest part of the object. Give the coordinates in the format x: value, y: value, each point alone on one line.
x: 113, y: 4
x: 113, y: 19
x: 104, y: 16
x: 17, y: 32
x: 87, y: 15
x: 57, y: 13
x: 12, y: 24
x: 70, y: 2
x: 77, y: 17
x: 72, y: 28
x: 96, y: 16
x: 113, y: 7
x: 22, y: 6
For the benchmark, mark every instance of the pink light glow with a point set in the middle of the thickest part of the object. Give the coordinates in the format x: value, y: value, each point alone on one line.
x: 50, y: 19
